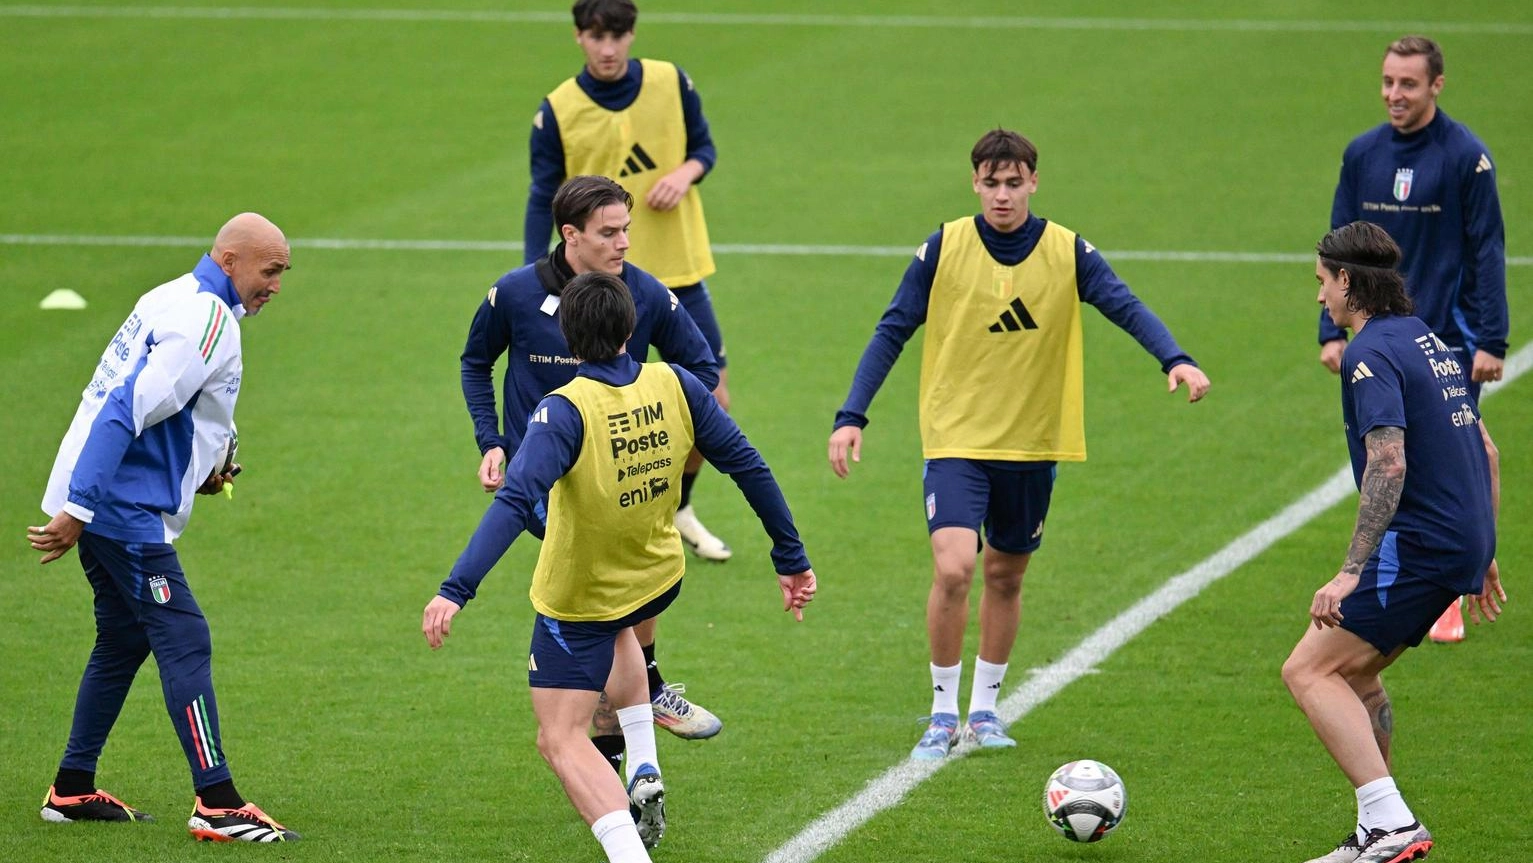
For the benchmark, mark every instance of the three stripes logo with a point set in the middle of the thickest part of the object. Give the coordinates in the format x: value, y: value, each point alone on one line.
x: 1361, y: 372
x: 1483, y: 165
x: 1014, y: 319
x: 1056, y: 795
x: 637, y: 162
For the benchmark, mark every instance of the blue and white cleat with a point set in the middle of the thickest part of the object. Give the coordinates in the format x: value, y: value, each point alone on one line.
x: 986, y: 730
x: 939, y: 738
x: 646, y: 803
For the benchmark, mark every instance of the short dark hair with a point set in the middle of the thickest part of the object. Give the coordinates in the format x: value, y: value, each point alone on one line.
x: 1419, y: 46
x: 1369, y: 256
x: 605, y: 16
x: 1002, y: 147
x: 596, y: 315
x: 582, y: 195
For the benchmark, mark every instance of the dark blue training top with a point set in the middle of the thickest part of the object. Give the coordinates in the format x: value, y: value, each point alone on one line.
x: 1096, y: 283
x: 547, y: 146
x: 1397, y: 373
x: 1434, y: 191
x: 551, y: 447
x: 520, y: 318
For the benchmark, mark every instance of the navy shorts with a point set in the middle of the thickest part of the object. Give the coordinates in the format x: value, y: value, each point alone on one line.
x: 1391, y: 607
x: 700, y: 306
x: 1010, y: 499
x: 578, y: 655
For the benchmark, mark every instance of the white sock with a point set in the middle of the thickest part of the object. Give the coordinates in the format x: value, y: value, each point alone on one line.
x: 1380, y: 806
x: 638, y: 724
x: 619, y: 837
x: 987, y: 685
x: 945, y: 688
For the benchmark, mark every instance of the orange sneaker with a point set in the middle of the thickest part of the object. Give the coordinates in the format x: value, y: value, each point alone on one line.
x: 96, y: 806
x: 245, y: 824
x: 1450, y: 627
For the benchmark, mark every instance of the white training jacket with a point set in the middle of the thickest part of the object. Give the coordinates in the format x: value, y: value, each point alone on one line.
x: 155, y: 419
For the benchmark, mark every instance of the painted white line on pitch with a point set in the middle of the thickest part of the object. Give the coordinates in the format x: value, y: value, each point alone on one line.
x: 725, y: 19
x: 788, y: 249
x: 886, y: 791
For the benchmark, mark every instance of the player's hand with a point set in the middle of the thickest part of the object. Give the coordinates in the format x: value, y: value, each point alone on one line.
x: 1488, y: 602
x: 436, y: 623
x: 56, y: 537
x: 491, y: 476
x: 1330, y: 354
x: 1197, y: 382
x: 1487, y: 368
x: 842, y: 439
x: 217, y: 481
x: 797, y: 592
x: 1325, y: 609
x: 670, y: 189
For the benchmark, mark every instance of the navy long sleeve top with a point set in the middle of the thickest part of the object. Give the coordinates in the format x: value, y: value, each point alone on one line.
x: 519, y: 319
x: 1434, y: 191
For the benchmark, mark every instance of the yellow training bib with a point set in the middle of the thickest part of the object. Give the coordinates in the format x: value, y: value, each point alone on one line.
x: 1001, y: 367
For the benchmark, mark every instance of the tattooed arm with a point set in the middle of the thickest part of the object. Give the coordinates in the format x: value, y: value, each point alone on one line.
x: 1378, y: 498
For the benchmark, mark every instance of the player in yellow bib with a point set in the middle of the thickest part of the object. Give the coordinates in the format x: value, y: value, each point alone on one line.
x: 606, y: 451
x: 641, y: 123
x: 1001, y: 403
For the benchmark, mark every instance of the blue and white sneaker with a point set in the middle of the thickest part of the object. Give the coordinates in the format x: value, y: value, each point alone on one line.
x: 646, y: 803
x: 939, y: 738
x: 986, y: 730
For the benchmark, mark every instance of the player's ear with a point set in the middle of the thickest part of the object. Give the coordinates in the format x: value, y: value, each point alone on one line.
x: 568, y: 232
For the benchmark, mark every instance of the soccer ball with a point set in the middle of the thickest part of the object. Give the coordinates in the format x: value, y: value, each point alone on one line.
x: 1084, y: 800
x: 231, y: 449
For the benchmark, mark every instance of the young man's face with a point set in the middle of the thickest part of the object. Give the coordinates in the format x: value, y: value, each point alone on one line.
x: 1409, y: 94
x: 602, y: 245
x: 606, y: 52
x: 1333, y: 294
x: 1003, y: 192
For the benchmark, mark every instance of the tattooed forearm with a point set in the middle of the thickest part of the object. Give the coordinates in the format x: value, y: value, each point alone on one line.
x: 1382, y: 717
x: 1379, y: 496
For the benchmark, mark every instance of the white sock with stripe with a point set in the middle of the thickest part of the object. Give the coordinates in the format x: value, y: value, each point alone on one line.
x: 987, y: 685
x: 945, y: 688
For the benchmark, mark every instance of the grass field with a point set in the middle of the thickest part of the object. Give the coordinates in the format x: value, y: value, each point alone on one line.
x: 1195, y: 127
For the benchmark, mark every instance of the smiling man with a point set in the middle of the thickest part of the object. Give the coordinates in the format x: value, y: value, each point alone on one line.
x: 150, y: 433
x: 1430, y: 183
x: 1001, y: 402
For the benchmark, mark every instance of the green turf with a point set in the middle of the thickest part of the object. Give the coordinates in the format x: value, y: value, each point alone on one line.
x: 360, y: 459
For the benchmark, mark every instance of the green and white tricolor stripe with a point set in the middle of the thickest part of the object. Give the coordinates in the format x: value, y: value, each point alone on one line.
x: 218, y: 321
x: 208, y: 755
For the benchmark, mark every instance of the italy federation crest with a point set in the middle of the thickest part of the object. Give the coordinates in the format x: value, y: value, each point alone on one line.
x: 159, y: 588
x: 1403, y: 179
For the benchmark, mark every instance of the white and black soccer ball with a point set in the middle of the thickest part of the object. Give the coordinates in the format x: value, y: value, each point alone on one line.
x: 230, y: 451
x: 1085, y: 800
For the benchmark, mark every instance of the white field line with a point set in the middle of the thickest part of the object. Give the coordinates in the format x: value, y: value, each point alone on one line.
x: 927, y: 22
x: 720, y: 248
x: 889, y: 789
